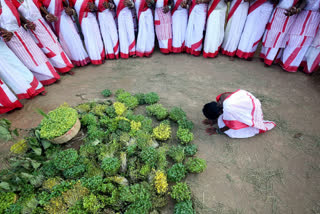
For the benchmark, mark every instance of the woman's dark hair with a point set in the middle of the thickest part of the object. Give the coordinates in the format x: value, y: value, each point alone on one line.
x: 212, y: 110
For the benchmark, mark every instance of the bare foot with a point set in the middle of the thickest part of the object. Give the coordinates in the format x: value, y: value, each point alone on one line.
x: 231, y: 58
x: 71, y: 73
x: 211, y: 130
x: 267, y: 66
x: 44, y: 93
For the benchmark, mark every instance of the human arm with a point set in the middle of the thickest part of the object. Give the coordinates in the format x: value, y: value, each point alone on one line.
x: 184, y: 4
x: 49, y: 17
x: 109, y: 5
x: 27, y: 24
x: 213, y: 130
x: 296, y: 9
x: 129, y: 4
x: 6, y: 35
x: 202, y: 1
x: 92, y: 7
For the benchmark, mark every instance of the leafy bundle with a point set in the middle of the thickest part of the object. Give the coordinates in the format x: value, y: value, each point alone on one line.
x: 122, y: 165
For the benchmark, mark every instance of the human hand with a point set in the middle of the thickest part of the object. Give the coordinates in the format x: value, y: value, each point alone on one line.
x: 128, y: 4
x: 51, y: 18
x: 69, y: 11
x: 211, y: 131
x: 166, y: 9
x: 29, y: 25
x: 6, y: 35
x: 92, y: 7
x: 184, y: 4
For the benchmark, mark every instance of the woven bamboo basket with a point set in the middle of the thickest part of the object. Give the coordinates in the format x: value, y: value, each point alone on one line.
x: 68, y: 135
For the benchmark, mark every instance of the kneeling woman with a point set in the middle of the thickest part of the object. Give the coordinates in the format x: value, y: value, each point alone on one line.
x: 238, y: 114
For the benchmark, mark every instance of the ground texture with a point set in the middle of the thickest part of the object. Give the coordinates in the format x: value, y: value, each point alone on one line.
x: 276, y: 172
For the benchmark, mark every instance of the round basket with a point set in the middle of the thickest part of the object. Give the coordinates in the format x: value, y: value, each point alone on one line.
x: 68, y: 135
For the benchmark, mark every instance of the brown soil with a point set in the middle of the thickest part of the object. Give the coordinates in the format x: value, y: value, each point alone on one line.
x: 276, y: 172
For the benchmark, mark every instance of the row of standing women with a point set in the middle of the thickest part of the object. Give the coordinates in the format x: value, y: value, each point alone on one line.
x: 40, y: 39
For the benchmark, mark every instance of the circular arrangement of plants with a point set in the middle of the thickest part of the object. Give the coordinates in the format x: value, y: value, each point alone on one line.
x: 127, y: 163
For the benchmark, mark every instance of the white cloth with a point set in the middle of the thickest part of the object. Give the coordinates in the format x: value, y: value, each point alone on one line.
x: 67, y: 33
x: 215, y: 28
x: 91, y: 33
x: 236, y: 20
x: 8, y: 101
x: 196, y: 26
x: 242, y: 113
x: 179, y: 27
x: 257, y: 19
x: 146, y: 35
x: 126, y: 30
x: 24, y: 47
x: 278, y: 26
x: 300, y: 36
x: 312, y: 57
x: 16, y: 75
x: 108, y: 30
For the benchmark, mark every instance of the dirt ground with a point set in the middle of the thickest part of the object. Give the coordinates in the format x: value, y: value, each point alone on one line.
x: 276, y: 172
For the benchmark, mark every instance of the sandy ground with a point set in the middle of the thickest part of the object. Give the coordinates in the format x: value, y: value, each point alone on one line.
x: 276, y: 172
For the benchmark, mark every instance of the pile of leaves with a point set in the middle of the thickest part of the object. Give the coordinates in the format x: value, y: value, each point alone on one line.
x: 127, y: 163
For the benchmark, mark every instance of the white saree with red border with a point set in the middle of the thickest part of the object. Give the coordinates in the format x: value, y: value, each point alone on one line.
x: 17, y: 76
x: 195, y: 28
x: 215, y: 28
x: 242, y: 114
x: 179, y: 26
x: 146, y: 35
x: 256, y: 22
x: 8, y: 101
x: 108, y: 30
x: 126, y: 30
x: 24, y: 46
x: 235, y: 23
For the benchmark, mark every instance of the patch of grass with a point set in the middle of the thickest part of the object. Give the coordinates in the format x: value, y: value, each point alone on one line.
x: 266, y: 100
x: 229, y: 178
x: 262, y: 179
x: 218, y: 208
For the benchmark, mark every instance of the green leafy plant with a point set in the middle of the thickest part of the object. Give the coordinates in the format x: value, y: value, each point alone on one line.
x: 83, y: 108
x: 196, y: 165
x: 177, y: 153
x: 91, y: 203
x: 106, y: 93
x: 6, y: 133
x: 58, y: 122
x: 158, y: 111
x: 66, y: 159
x: 181, y: 192
x: 149, y: 156
x: 177, y: 172
x: 140, y: 98
x: 184, y: 135
x: 177, y: 114
x: 110, y: 166
x: 162, y: 132
x: 184, y: 123
x: 184, y: 207
x: 151, y: 98
x: 190, y: 150
x: 6, y: 199
x: 130, y: 101
x: 99, y: 109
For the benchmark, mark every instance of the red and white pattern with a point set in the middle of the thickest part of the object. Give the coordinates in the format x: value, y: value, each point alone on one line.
x: 312, y: 58
x: 67, y: 33
x: 91, y: 32
x: 257, y: 19
x: 300, y: 37
x: 277, y: 28
x: 242, y: 113
x: 146, y: 37
x: 126, y: 30
x: 8, y: 101
x: 215, y: 28
x: 195, y: 28
x: 236, y: 21
x: 22, y: 82
x: 179, y: 27
x: 108, y: 30
x: 163, y: 26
